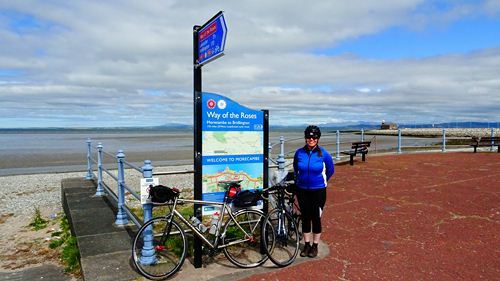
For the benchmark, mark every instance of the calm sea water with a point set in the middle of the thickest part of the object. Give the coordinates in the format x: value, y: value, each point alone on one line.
x: 40, y: 151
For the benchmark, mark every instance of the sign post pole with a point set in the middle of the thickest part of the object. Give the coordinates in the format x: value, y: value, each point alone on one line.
x: 208, y: 44
x: 197, y: 88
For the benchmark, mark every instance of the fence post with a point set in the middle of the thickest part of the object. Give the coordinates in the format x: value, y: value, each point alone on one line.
x: 399, y: 141
x: 362, y: 134
x: 100, y: 189
x: 121, y: 216
x: 443, y: 147
x: 281, y: 156
x: 90, y: 174
x: 148, y: 252
x: 337, y: 154
x: 492, y: 142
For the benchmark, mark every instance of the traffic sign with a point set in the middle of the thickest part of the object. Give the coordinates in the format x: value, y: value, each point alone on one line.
x: 212, y: 40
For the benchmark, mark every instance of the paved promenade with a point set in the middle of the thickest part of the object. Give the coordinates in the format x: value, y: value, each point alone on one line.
x: 432, y: 216
x: 410, y: 217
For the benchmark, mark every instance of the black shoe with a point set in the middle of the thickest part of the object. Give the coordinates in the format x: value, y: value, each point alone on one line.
x: 305, y: 250
x: 313, y: 252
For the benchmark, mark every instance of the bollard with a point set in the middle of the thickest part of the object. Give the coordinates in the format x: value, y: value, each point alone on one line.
x: 100, y: 189
x: 121, y: 216
x: 492, y: 141
x: 90, y: 174
x: 399, y: 141
x: 443, y: 148
x: 281, y: 156
x: 362, y: 134
x: 337, y: 154
x: 148, y: 255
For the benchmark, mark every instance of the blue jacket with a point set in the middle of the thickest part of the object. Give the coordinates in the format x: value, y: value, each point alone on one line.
x: 311, y: 170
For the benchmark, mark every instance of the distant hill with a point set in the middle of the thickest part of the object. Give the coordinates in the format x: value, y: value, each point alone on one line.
x: 327, y: 127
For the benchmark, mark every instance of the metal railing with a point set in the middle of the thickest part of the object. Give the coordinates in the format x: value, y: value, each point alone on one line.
x: 340, y: 142
x: 104, y: 189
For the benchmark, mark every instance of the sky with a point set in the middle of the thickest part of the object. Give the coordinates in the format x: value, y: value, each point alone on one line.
x: 130, y: 63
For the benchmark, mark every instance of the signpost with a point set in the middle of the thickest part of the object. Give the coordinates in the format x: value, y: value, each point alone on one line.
x: 211, y: 39
x: 251, y: 161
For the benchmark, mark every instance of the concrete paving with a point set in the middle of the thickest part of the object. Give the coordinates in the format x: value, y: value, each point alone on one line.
x: 44, y: 272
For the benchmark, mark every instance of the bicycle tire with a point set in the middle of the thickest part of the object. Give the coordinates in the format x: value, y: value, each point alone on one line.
x: 248, y: 252
x: 167, y: 252
x: 285, y: 231
x: 298, y: 222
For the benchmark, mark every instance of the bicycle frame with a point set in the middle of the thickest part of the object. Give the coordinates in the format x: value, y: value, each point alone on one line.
x: 198, y: 233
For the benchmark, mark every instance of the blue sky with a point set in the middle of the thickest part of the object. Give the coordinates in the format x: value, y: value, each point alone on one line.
x: 460, y: 37
x: 129, y: 63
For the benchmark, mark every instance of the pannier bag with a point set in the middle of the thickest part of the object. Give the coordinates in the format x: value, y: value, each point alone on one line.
x: 247, y: 198
x: 162, y: 194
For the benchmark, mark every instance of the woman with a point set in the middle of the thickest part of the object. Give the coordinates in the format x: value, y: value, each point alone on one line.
x: 313, y: 167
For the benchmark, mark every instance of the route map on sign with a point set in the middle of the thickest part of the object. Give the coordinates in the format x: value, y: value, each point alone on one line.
x: 232, y: 142
x: 210, y: 181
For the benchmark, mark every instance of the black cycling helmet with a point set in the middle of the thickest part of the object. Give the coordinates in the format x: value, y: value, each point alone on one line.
x: 312, y: 131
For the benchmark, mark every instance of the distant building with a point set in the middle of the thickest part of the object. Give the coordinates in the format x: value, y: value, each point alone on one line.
x: 388, y: 126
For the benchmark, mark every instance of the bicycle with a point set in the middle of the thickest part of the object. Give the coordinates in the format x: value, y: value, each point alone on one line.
x: 282, y: 226
x: 160, y: 246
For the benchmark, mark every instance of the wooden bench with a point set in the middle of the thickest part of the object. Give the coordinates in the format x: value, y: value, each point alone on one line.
x: 485, y: 141
x: 358, y: 147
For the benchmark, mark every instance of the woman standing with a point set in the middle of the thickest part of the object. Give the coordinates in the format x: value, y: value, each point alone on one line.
x: 313, y: 167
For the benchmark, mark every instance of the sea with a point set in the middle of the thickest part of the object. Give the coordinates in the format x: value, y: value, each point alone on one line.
x: 33, y: 151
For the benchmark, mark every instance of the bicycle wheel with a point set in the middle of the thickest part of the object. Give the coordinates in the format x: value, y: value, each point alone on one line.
x: 298, y: 222
x: 286, y: 237
x: 159, y: 252
x: 240, y: 249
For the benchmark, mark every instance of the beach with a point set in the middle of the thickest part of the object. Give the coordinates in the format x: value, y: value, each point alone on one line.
x: 22, y: 247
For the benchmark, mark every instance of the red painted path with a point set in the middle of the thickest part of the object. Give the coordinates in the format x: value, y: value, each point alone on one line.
x: 409, y: 217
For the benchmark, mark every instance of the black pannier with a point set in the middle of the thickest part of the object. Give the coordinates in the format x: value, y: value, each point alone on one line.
x: 247, y: 198
x: 162, y: 194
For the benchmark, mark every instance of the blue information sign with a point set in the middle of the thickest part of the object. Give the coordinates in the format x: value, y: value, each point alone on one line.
x: 212, y: 40
x: 232, y: 145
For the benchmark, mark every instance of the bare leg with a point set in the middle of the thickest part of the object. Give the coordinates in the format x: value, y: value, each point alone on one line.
x: 316, y: 237
x: 308, y: 236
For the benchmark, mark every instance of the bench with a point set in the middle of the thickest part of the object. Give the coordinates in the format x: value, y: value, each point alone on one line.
x: 357, y: 148
x: 485, y: 141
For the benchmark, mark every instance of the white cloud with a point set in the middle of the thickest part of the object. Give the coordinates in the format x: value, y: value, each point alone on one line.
x: 96, y: 63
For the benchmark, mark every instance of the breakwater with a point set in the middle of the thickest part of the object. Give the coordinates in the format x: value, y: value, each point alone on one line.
x: 437, y: 132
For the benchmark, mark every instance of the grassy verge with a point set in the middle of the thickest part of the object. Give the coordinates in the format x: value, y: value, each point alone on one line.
x: 62, y: 240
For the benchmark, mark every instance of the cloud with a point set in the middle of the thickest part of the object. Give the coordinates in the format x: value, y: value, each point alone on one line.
x: 126, y: 63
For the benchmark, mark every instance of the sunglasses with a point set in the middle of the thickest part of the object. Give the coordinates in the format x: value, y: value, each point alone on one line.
x: 312, y: 138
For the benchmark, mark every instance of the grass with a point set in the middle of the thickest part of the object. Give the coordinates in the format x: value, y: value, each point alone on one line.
x: 68, y: 247
x: 69, y: 252
x: 38, y: 222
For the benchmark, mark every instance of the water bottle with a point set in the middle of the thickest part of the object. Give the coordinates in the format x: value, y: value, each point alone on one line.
x: 197, y: 223
x: 213, y: 223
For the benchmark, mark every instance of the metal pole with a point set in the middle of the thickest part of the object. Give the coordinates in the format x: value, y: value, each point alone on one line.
x: 148, y: 254
x: 399, y: 141
x: 121, y: 216
x: 337, y: 154
x: 281, y: 156
x: 197, y: 118
x: 90, y: 174
x: 443, y: 148
x: 100, y: 189
x: 362, y: 134
x: 492, y: 142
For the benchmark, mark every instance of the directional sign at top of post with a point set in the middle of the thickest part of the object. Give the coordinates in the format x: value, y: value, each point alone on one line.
x: 212, y: 39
